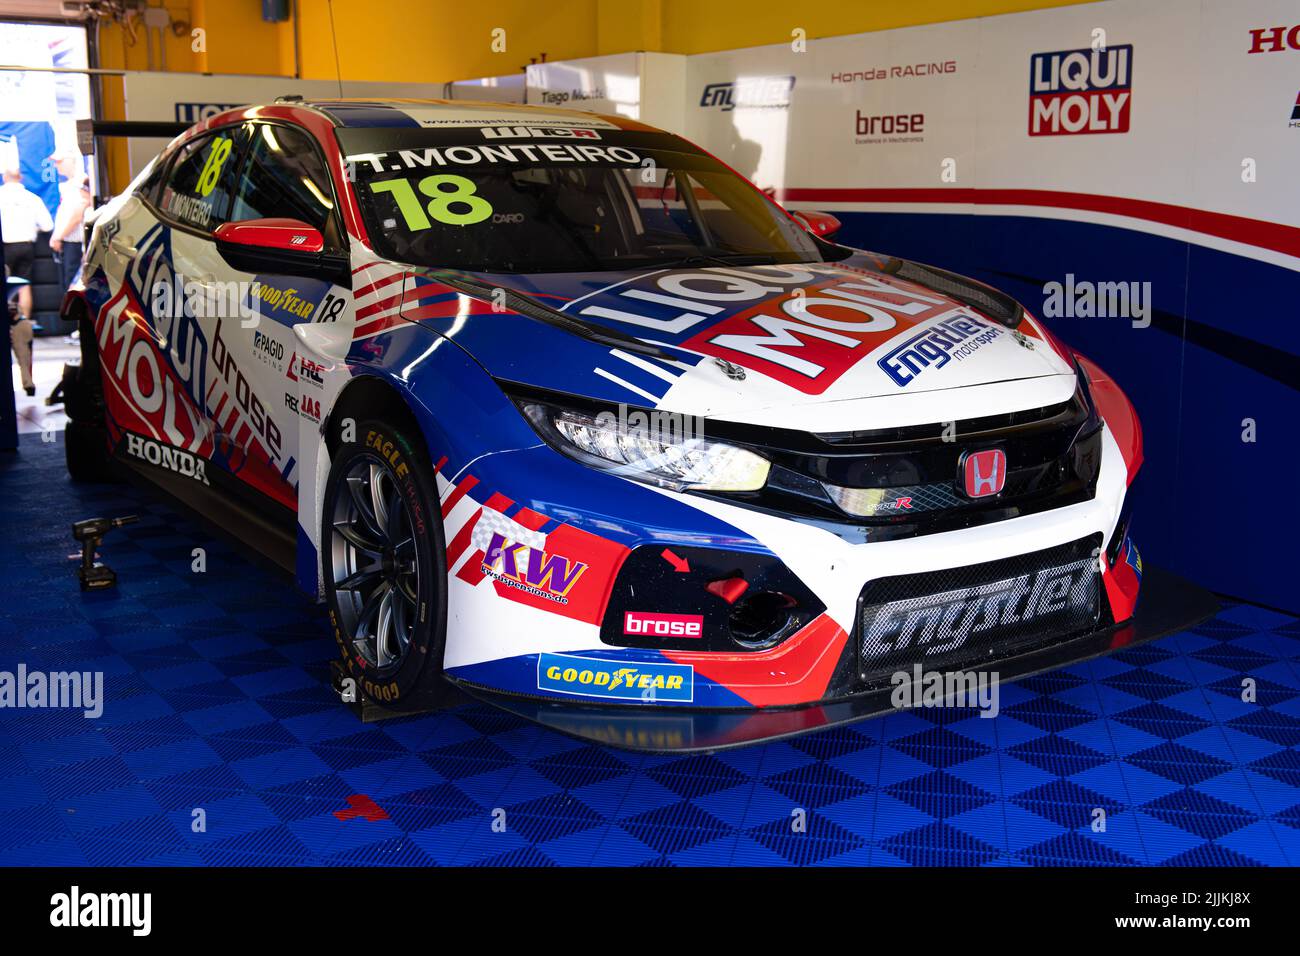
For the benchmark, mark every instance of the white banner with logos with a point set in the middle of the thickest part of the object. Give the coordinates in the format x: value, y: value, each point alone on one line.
x: 1186, y: 104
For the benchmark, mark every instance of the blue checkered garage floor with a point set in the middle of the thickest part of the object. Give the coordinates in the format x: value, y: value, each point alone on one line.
x: 217, y: 697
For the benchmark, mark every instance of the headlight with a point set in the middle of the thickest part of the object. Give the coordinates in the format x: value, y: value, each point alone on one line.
x: 667, y: 457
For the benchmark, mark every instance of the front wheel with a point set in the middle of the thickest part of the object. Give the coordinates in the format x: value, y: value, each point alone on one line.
x: 383, y: 559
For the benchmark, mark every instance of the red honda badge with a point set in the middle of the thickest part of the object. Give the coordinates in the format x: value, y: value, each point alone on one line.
x: 984, y: 472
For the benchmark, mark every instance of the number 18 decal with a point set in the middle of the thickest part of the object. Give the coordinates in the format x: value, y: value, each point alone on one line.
x: 212, y: 168
x: 441, y: 201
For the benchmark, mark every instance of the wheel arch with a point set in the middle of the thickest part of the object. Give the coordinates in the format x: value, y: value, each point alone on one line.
x: 366, y: 395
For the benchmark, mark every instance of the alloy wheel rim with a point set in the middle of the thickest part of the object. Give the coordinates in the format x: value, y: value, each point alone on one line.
x: 376, y: 567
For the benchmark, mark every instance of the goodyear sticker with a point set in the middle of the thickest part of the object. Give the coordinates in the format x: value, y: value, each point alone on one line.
x: 615, y: 680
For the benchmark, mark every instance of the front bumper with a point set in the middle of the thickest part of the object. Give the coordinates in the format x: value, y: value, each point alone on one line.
x: 519, y: 629
x: 1170, y: 604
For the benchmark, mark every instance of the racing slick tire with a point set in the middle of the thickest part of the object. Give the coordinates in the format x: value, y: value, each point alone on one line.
x: 383, y: 562
x: 85, y: 447
x: 85, y: 440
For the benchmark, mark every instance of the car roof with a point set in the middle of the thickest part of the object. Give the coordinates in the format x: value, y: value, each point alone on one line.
x: 396, y: 113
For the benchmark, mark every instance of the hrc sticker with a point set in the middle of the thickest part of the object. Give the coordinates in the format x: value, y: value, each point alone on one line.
x: 615, y: 680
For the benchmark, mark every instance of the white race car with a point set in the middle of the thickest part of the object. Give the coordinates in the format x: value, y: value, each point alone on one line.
x: 560, y: 408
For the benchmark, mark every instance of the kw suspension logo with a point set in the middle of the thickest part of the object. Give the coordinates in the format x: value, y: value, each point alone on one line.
x: 1074, y: 92
x: 530, y: 569
x: 937, y: 623
x: 69, y: 690
x: 616, y: 680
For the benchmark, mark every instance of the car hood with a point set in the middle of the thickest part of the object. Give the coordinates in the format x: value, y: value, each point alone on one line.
x: 823, y: 346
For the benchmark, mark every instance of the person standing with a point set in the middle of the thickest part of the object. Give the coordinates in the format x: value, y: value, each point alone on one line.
x: 74, y: 200
x: 22, y: 217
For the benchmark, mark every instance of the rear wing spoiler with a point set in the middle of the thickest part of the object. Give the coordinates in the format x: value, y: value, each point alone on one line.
x: 88, y: 129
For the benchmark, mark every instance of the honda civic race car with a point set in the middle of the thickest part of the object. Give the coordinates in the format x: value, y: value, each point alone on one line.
x: 559, y: 407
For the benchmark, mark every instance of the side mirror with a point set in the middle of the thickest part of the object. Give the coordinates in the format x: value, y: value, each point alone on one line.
x: 284, y: 235
x: 280, y: 246
x: 821, y: 224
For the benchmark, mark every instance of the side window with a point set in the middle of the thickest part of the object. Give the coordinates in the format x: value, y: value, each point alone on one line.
x: 201, y: 180
x: 149, y: 188
x: 285, y: 177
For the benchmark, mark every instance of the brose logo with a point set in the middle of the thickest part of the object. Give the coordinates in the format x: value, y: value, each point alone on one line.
x: 1075, y: 92
x: 617, y: 680
x: 945, y: 621
x: 644, y: 623
x: 903, y: 127
x: 165, y: 456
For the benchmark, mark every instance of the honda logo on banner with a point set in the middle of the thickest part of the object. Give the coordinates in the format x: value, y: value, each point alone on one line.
x: 984, y: 473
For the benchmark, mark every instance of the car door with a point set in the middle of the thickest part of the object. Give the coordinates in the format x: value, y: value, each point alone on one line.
x: 158, y: 370
x: 257, y: 397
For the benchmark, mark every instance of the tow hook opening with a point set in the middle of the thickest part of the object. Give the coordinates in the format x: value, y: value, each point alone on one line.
x: 761, y: 619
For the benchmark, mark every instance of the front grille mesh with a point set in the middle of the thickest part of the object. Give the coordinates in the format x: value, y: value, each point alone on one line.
x: 970, y: 616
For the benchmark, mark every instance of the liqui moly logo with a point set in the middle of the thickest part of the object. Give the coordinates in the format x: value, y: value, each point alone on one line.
x: 1073, y: 92
x: 530, y: 569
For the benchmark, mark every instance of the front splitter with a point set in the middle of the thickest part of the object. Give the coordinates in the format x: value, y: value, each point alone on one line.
x: 1169, y: 604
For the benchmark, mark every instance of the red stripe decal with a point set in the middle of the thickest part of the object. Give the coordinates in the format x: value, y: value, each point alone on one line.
x: 1252, y: 232
x: 472, y: 571
x: 530, y: 519
x: 457, y: 493
x: 462, y: 539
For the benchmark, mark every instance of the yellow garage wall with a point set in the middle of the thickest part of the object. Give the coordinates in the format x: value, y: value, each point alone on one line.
x: 440, y: 40
x: 411, y: 41
x: 407, y: 40
x: 699, y: 26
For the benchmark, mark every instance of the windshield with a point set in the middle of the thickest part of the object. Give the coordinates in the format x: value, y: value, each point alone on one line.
x: 488, y: 198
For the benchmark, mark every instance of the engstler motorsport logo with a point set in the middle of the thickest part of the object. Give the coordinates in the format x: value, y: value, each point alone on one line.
x: 751, y: 92
x: 1075, y: 92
